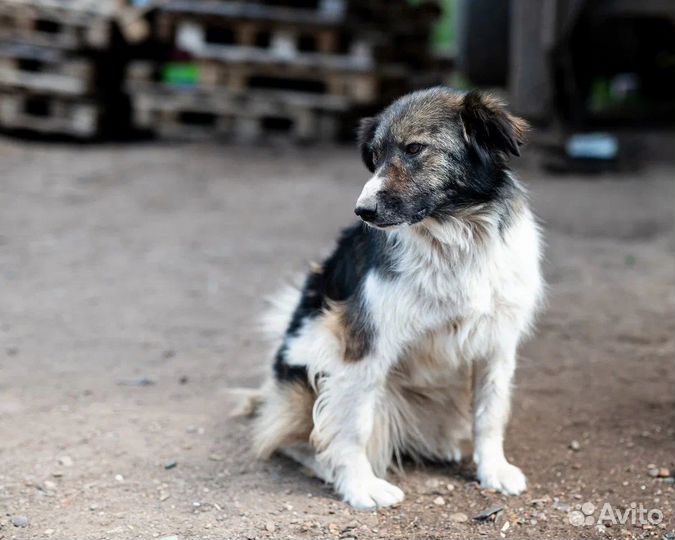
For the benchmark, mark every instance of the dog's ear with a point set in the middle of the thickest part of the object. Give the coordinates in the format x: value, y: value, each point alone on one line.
x: 365, y: 134
x: 490, y: 126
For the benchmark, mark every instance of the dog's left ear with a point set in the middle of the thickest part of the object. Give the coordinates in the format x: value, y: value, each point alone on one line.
x: 365, y: 134
x: 489, y: 125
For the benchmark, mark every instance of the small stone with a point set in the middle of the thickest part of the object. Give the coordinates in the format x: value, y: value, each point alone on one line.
x: 458, y: 517
x: 269, y: 527
x: 57, y: 474
x: 119, y: 478
x: 349, y: 526
x: 575, y: 446
x: 48, y: 532
x: 562, y: 506
x: 439, y: 501
x: 488, y: 512
x: 432, y: 483
x: 171, y: 537
x: 164, y: 496
x: 506, y: 526
x: 20, y: 521
x: 450, y: 487
x: 143, y: 381
x: 333, y: 528
x: 215, y: 457
x: 66, y: 461
x: 664, y: 472
x: 170, y: 465
x: 49, y: 485
x: 653, y: 472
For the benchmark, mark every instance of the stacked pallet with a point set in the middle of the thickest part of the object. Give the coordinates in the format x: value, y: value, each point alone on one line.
x: 267, y: 67
x: 50, y: 54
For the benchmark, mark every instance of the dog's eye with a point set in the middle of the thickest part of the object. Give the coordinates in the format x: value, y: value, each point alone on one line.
x: 413, y: 148
x: 375, y: 155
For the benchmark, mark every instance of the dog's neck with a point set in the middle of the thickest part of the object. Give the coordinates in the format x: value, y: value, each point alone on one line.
x: 437, y: 247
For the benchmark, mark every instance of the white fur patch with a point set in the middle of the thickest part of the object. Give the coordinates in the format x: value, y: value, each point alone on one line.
x: 368, y: 196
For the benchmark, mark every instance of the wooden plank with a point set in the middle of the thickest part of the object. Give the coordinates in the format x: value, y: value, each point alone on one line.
x: 49, y: 114
x: 308, y: 47
x: 43, y: 70
x: 329, y: 12
x: 326, y: 88
x: 52, y: 26
x: 189, y: 116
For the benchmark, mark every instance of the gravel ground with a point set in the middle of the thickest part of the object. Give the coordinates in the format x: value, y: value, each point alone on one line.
x: 131, y: 277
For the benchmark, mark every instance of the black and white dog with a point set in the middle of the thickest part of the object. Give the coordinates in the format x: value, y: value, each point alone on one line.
x: 403, y: 342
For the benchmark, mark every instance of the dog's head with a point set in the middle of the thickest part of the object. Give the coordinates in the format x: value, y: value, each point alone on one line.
x: 434, y: 152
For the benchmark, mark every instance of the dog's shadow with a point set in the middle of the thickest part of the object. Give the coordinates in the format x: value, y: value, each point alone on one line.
x: 463, y: 470
x: 281, y: 475
x: 406, y: 473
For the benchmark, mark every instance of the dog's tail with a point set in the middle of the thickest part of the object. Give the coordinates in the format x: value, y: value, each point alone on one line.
x: 272, y: 325
x: 275, y: 320
x: 245, y: 401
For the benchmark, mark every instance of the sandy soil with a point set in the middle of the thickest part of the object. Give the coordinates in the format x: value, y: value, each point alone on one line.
x: 130, y: 279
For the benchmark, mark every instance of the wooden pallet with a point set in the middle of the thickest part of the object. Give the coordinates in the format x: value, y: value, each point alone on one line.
x: 57, y: 23
x: 307, y: 13
x: 229, y: 40
x: 318, y: 88
x: 41, y: 69
x: 49, y: 114
x: 194, y: 115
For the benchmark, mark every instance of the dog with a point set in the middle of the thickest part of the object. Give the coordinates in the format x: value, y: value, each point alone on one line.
x: 403, y: 342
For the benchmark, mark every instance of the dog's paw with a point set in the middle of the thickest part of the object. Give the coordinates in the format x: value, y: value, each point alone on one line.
x: 371, y: 493
x: 502, y: 476
x: 453, y: 454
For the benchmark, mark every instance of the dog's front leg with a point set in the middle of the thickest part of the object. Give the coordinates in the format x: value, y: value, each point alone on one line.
x: 343, y: 423
x: 492, y: 399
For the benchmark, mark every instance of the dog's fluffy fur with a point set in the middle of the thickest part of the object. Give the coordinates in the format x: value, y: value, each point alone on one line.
x: 403, y: 342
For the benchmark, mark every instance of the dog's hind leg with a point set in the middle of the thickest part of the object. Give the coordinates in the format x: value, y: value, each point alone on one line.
x: 284, y: 418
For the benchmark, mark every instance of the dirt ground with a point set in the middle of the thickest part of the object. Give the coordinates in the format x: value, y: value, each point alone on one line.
x: 131, y: 277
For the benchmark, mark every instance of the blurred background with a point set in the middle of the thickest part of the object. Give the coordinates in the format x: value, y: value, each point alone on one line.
x: 166, y: 165
x: 306, y: 70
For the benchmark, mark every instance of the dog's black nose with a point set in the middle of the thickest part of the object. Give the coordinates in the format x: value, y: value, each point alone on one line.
x: 366, y: 213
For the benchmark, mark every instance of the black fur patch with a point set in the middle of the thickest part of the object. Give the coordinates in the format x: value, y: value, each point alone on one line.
x: 359, y: 250
x: 365, y: 134
x: 490, y: 126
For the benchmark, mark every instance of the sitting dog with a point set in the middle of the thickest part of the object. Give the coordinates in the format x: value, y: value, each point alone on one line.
x: 403, y: 342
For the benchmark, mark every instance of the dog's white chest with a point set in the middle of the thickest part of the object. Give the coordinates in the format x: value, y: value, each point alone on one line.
x: 466, y: 296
